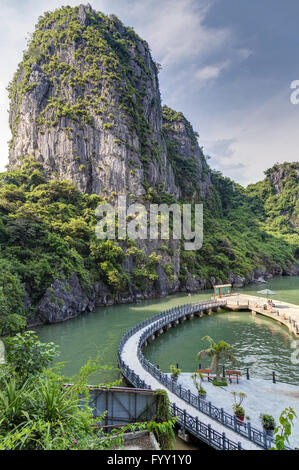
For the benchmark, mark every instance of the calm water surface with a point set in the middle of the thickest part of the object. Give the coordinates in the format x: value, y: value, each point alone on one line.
x: 260, y: 343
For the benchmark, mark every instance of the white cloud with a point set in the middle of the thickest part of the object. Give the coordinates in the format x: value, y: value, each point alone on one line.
x: 265, y: 135
x: 244, y: 53
x: 176, y: 31
x: 210, y: 71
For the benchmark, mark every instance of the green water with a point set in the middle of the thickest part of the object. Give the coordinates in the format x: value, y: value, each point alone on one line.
x: 261, y: 343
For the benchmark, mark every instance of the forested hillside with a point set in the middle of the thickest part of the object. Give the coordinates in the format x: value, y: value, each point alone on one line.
x: 87, y: 125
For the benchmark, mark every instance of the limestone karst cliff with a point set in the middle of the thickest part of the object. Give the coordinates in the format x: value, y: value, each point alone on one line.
x: 85, y: 102
x: 87, y: 125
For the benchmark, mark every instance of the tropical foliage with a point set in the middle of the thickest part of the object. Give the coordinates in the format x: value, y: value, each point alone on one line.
x: 38, y: 412
x: 47, y: 232
x: 284, y: 430
x: 240, y: 236
x: 216, y: 351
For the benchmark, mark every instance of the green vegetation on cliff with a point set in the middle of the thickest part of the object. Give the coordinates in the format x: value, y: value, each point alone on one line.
x: 87, y: 90
x: 39, y: 412
x: 244, y: 229
x: 237, y: 239
x: 47, y: 232
x: 105, y: 57
x: 276, y: 201
x: 187, y: 167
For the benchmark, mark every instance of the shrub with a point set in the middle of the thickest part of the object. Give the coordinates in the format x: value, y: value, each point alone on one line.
x: 175, y: 372
x: 27, y: 355
x: 268, y: 422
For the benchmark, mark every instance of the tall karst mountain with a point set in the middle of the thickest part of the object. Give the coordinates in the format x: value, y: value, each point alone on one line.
x: 85, y: 102
x: 87, y: 125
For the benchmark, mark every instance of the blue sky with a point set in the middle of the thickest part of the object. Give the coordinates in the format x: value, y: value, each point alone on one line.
x: 227, y: 65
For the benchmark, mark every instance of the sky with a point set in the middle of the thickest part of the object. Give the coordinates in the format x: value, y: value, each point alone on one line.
x: 227, y: 65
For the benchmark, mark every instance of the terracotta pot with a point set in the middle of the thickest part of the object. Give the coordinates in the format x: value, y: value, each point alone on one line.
x: 241, y: 418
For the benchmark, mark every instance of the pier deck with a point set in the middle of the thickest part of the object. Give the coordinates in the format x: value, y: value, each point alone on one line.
x: 283, y: 312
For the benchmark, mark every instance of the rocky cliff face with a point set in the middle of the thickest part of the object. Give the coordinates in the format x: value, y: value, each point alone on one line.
x: 192, y: 174
x: 284, y: 176
x: 279, y: 192
x: 85, y: 102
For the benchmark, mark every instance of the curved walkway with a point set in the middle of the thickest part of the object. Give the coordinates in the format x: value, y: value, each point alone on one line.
x: 189, y: 417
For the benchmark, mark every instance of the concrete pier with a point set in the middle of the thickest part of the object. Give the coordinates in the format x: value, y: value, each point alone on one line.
x: 285, y: 313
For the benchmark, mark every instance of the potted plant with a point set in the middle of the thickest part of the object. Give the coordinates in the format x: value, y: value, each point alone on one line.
x: 237, y: 406
x: 197, y: 380
x: 268, y: 423
x: 174, y: 371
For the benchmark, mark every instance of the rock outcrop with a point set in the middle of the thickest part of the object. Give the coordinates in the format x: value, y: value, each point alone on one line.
x: 85, y: 102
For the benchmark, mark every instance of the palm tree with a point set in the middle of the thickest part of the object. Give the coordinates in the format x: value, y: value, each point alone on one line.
x: 216, y: 351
